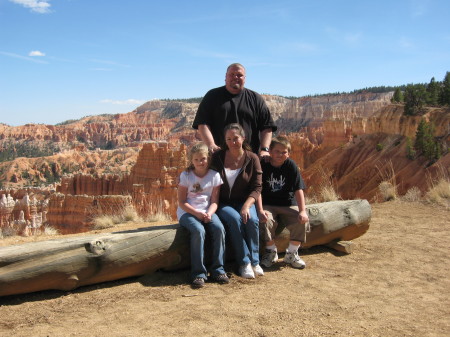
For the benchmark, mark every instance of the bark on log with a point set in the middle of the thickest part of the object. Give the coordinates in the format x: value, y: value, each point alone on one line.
x: 66, y: 264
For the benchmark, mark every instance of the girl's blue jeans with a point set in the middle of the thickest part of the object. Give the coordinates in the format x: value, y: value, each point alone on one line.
x: 197, y: 230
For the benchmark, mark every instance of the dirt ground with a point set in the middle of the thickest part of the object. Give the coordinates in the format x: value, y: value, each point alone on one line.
x: 395, y: 283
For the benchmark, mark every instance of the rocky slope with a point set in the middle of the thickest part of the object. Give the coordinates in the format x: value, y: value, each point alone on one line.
x: 350, y: 141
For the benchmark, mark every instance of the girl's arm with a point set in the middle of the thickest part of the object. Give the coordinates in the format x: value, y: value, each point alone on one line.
x: 182, y: 202
x: 213, y: 205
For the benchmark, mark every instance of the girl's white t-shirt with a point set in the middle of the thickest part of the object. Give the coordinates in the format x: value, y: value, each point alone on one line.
x: 199, y: 189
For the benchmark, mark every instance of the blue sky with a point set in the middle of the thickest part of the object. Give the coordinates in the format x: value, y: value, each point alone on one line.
x: 65, y: 59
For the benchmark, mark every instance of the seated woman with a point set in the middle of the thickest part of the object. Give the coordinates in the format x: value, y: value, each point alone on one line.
x: 241, y: 173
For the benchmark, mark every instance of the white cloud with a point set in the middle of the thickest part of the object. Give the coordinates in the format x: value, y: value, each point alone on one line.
x: 36, y: 53
x: 37, y: 6
x: 22, y: 57
x: 130, y: 101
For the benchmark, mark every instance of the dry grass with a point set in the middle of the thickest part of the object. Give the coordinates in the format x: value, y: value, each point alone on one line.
x: 8, y: 231
x: 127, y: 215
x: 328, y: 193
x: 158, y: 217
x: 325, y: 190
x: 439, y: 193
x: 15, y: 230
x: 49, y: 230
x: 103, y: 222
x: 412, y: 195
x: 388, y: 185
x: 439, y: 188
x: 387, y: 191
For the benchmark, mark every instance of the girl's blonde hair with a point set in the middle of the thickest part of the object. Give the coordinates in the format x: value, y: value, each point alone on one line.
x: 197, y: 148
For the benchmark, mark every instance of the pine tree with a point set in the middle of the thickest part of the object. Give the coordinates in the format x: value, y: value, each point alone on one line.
x: 415, y: 98
x: 433, y: 92
x: 444, y: 97
x: 429, y: 145
x: 398, y: 96
x: 420, y: 135
x: 410, y: 152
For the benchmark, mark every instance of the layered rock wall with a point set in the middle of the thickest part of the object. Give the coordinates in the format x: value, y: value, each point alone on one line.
x: 75, y: 213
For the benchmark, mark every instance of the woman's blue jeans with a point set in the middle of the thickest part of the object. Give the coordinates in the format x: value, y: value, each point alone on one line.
x: 244, y: 237
x: 197, y: 230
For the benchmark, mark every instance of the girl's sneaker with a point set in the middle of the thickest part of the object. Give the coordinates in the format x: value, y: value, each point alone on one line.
x: 198, y: 282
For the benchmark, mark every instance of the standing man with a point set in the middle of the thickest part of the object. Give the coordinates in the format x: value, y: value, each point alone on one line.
x: 233, y: 103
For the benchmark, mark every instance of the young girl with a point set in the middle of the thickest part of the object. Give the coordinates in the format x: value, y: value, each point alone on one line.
x: 198, y: 196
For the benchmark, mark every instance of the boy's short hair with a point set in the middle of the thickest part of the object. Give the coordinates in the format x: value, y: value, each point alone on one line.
x: 280, y: 140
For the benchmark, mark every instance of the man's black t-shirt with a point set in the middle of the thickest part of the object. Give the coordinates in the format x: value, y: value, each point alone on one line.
x: 280, y: 183
x: 219, y: 108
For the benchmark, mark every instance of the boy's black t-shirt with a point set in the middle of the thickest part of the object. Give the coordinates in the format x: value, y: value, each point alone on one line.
x: 280, y: 183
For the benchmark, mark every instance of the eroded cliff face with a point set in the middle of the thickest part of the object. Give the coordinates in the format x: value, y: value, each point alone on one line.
x: 357, y: 155
x: 314, y: 111
x: 151, y: 186
x: 334, y: 138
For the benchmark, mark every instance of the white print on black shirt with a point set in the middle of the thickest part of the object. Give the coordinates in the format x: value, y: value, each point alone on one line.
x: 276, y: 184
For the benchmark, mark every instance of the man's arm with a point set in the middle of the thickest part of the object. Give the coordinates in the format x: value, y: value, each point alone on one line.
x: 207, y: 137
x: 265, y: 137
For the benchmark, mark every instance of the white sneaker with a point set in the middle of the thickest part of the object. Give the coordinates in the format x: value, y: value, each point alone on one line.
x: 269, y: 258
x: 258, y: 270
x: 246, y: 271
x: 294, y: 260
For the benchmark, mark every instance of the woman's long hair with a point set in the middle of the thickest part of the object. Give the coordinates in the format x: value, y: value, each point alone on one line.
x: 241, y: 132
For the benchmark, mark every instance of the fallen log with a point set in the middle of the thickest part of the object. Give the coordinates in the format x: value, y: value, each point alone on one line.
x: 66, y: 264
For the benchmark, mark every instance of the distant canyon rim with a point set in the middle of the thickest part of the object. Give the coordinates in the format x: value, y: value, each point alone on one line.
x: 98, y: 164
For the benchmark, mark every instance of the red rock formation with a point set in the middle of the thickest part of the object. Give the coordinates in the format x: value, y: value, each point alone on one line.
x: 333, y: 137
x: 75, y: 213
x: 355, y: 165
x: 152, y: 181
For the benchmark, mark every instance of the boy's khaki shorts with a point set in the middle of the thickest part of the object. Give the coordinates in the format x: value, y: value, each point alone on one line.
x: 280, y: 217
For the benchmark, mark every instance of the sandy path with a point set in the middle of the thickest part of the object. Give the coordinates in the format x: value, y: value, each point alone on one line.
x: 396, y: 283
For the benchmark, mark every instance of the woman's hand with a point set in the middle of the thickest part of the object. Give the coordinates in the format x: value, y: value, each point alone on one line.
x: 245, y: 214
x: 262, y: 216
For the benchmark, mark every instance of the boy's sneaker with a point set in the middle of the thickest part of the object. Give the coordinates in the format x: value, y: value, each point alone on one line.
x: 269, y: 258
x: 294, y: 260
x: 257, y: 270
x: 246, y: 271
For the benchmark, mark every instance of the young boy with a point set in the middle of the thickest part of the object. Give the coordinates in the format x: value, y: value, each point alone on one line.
x: 282, y: 201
